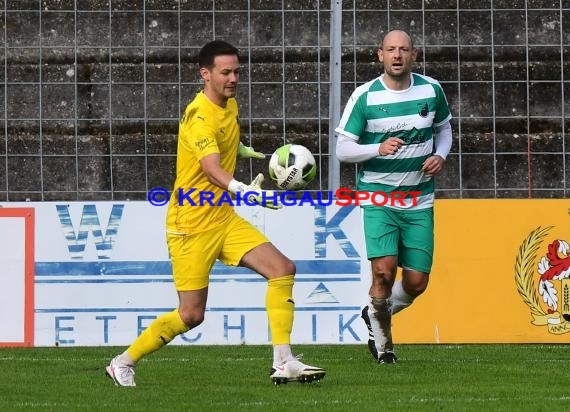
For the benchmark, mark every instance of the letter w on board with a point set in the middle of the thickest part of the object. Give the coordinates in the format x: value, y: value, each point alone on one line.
x: 89, y: 223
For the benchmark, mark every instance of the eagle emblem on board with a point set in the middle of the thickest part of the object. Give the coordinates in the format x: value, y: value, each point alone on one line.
x: 543, y: 281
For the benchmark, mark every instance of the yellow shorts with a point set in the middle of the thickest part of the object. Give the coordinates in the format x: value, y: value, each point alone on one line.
x: 193, y: 255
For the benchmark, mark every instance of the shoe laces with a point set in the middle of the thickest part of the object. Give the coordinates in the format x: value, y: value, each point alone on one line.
x: 126, y: 371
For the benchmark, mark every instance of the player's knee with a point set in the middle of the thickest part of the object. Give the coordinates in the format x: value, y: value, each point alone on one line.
x: 417, y: 291
x: 416, y: 288
x: 286, y: 267
x: 384, y: 268
x: 192, y: 318
x: 382, y: 278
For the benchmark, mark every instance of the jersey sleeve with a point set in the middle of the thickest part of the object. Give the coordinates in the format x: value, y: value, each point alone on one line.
x: 353, y: 121
x: 198, y: 137
x: 442, y: 112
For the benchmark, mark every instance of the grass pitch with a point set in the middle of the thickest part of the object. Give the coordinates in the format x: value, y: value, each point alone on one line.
x: 236, y: 378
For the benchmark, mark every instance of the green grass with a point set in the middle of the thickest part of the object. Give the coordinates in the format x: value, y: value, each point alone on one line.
x: 235, y: 378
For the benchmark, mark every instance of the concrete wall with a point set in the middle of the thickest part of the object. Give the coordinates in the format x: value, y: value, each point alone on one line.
x: 91, y: 90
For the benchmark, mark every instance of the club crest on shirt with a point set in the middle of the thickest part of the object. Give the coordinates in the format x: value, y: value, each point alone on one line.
x: 423, y: 109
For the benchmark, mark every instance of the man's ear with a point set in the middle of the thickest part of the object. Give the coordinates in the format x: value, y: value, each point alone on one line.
x: 204, y: 73
x: 415, y: 53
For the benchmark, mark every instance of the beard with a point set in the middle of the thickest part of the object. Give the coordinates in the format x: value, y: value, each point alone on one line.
x: 398, y: 75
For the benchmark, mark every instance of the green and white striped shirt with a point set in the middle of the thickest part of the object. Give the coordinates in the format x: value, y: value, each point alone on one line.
x: 375, y: 113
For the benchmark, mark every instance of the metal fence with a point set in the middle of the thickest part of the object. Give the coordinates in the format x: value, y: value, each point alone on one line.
x: 91, y: 90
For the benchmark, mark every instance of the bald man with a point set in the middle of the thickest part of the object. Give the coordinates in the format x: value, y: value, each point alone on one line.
x: 397, y: 126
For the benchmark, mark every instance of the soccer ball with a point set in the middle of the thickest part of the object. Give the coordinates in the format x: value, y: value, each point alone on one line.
x: 292, y: 167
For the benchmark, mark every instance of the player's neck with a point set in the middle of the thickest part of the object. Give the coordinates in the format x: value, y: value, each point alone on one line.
x: 396, y: 83
x: 215, y: 98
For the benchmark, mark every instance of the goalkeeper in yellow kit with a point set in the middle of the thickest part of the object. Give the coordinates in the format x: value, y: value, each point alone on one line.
x: 208, y: 147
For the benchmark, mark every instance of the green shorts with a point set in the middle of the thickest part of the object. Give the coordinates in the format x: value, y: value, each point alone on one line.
x: 406, y: 234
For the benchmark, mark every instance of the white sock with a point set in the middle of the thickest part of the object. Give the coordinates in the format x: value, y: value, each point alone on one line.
x: 400, y: 299
x: 125, y: 359
x: 381, y: 322
x: 282, y: 354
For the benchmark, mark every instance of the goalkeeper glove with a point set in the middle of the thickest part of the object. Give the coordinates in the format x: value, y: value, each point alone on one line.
x: 246, y: 152
x: 255, y: 194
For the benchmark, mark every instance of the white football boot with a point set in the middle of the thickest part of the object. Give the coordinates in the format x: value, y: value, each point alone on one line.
x: 296, y: 371
x: 122, y: 375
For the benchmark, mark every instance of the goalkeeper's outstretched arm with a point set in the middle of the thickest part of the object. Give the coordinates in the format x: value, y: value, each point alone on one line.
x: 216, y: 175
x: 213, y: 170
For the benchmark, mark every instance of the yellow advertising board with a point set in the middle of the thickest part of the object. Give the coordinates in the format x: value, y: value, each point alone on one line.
x: 501, y: 274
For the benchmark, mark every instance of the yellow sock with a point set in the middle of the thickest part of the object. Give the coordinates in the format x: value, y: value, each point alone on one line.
x: 280, y: 306
x: 159, y: 333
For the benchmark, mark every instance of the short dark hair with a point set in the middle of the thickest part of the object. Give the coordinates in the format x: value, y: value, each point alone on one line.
x: 212, y: 49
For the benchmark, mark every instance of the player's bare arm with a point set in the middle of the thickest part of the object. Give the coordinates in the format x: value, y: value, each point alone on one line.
x: 211, y: 167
